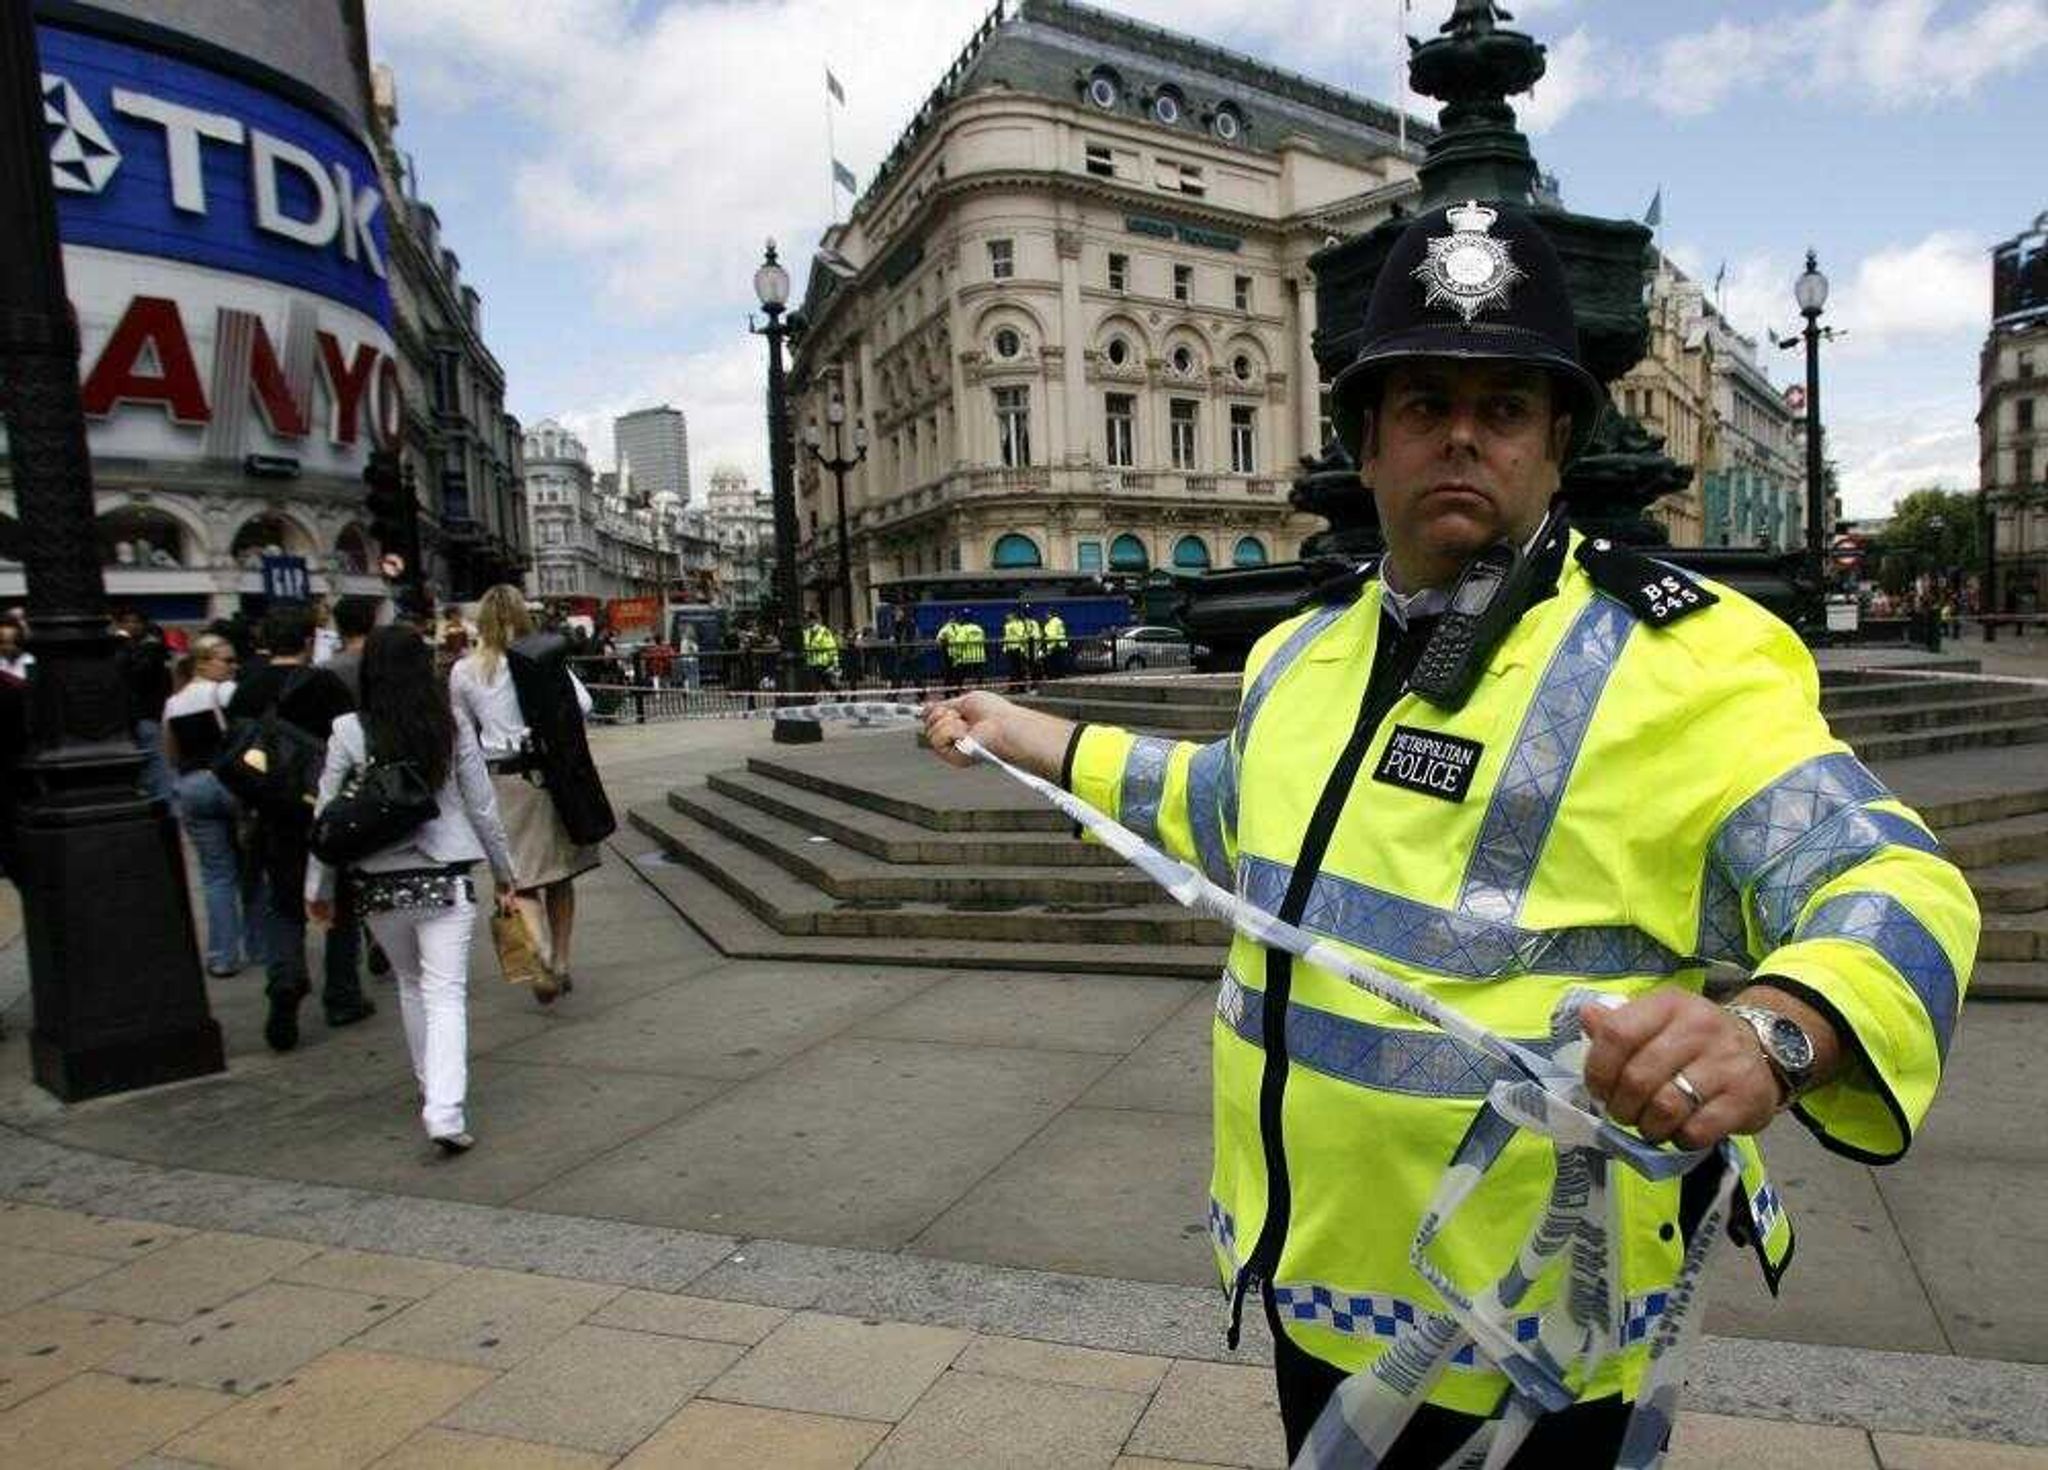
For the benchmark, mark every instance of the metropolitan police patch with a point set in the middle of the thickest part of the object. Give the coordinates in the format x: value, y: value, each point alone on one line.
x: 1430, y: 762
x: 1468, y: 269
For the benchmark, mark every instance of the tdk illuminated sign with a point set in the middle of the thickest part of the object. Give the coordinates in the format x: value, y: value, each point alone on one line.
x: 155, y: 156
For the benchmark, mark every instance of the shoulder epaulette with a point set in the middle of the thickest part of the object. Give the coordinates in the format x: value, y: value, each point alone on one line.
x: 1337, y: 581
x: 1654, y: 591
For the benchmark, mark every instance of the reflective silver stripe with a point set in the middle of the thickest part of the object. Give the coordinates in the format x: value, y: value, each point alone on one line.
x: 1382, y: 1058
x: 1269, y: 675
x: 1888, y: 926
x: 1531, y: 785
x: 1461, y: 946
x: 1144, y: 782
x: 1205, y: 814
x: 1851, y: 836
x: 1761, y: 829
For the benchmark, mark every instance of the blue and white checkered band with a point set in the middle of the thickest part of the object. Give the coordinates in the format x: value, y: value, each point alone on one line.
x: 1468, y: 270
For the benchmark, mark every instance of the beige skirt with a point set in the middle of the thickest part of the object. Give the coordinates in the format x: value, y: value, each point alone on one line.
x: 541, y: 850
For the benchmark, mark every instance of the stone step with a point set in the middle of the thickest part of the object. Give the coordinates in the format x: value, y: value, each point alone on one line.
x: 2014, y: 937
x: 940, y: 799
x: 738, y: 933
x: 1873, y: 693
x: 2011, y: 888
x: 1973, y: 736
x: 1985, y: 846
x: 1198, y: 689
x: 846, y: 873
x: 2008, y: 706
x: 791, y: 906
x: 879, y: 835
x: 2007, y: 980
x: 1184, y: 721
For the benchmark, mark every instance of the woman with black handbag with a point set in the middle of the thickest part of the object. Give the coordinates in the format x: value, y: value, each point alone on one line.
x: 406, y: 805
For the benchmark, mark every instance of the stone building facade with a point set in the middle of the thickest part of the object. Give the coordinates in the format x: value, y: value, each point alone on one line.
x: 461, y: 446
x: 655, y: 442
x: 741, y: 518
x: 599, y: 536
x: 1074, y: 310
x: 2012, y: 418
x: 1701, y: 387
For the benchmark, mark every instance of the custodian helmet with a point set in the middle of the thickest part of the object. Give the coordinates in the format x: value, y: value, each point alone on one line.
x: 1478, y: 281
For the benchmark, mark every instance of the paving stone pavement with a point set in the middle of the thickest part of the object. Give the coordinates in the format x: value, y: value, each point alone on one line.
x: 767, y: 1215
x: 406, y: 1361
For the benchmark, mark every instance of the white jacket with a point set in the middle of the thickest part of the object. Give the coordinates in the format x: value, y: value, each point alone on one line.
x: 466, y: 828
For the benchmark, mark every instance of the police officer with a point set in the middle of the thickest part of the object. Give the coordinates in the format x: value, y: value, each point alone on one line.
x: 1055, y: 645
x: 821, y: 650
x: 1513, y: 754
x: 970, y: 648
x: 1017, y: 646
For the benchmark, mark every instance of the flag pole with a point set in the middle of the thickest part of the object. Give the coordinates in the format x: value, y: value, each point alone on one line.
x: 831, y: 151
x: 1401, y: 70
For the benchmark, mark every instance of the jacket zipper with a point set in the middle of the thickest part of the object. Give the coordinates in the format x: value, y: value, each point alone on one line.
x: 1393, y: 658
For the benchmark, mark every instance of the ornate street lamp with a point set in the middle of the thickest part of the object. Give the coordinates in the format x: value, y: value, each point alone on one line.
x: 839, y: 464
x: 1811, y: 292
x: 117, y: 1005
x: 771, y: 289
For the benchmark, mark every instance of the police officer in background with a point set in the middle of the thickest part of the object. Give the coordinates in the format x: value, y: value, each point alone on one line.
x: 1507, y: 763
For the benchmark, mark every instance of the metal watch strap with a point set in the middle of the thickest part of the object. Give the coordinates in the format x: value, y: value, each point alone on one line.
x: 1760, y: 1019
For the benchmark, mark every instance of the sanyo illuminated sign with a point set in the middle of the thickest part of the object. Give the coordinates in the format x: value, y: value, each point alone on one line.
x: 157, y: 155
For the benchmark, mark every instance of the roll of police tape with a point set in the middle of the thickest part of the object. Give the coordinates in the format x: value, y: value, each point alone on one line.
x: 1577, y: 1232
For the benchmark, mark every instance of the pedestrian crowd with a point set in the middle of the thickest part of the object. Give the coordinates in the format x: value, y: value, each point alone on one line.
x: 332, y: 773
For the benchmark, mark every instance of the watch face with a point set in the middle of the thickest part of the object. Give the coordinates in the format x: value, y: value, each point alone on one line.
x: 1793, y: 1047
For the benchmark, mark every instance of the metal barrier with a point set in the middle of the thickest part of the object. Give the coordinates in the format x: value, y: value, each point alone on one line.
x: 649, y: 683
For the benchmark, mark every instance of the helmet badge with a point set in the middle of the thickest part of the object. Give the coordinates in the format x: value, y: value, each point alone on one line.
x: 1468, y: 269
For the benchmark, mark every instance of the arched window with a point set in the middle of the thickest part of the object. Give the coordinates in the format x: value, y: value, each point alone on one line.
x: 1127, y: 554
x: 1191, y: 552
x: 267, y: 535
x: 352, y: 550
x: 137, y: 536
x: 1250, y: 552
x: 1016, y: 551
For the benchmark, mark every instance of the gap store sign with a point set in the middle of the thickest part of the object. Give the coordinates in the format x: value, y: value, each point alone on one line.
x: 226, y: 250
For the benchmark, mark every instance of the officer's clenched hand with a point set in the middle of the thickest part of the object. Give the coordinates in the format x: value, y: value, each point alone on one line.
x: 1023, y: 737
x: 1639, y: 1048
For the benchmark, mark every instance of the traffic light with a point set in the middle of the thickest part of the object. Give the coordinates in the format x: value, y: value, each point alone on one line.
x: 390, y: 515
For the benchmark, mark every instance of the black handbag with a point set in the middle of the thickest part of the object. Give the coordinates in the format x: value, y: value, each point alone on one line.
x: 387, y: 801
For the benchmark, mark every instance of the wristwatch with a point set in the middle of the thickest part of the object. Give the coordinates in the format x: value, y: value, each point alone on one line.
x: 1786, y: 1047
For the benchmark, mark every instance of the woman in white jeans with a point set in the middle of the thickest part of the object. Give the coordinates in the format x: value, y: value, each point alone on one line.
x: 416, y: 894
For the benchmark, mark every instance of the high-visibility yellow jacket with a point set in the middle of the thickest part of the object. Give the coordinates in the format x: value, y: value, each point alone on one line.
x: 821, y: 647
x: 1016, y: 634
x: 1055, y: 633
x: 970, y: 644
x: 1622, y: 800
x: 948, y: 631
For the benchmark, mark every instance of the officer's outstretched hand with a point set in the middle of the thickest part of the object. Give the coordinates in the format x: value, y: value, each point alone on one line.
x: 1639, y: 1049
x: 1023, y: 737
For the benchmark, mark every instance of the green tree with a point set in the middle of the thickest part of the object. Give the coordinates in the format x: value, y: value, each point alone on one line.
x: 1933, y: 531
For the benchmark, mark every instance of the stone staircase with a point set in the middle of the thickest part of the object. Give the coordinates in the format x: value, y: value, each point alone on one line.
x: 866, y: 850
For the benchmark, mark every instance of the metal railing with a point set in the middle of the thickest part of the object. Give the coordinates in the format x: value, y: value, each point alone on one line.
x: 648, y: 684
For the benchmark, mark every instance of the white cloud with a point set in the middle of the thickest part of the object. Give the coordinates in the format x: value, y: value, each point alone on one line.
x: 1939, y: 285
x: 1902, y: 447
x: 1574, y: 71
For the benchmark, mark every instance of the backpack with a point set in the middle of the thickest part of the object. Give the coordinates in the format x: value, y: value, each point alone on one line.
x: 554, y: 723
x: 270, y: 764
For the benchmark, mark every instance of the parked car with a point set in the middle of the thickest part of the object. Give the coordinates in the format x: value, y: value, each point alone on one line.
x: 1135, y: 649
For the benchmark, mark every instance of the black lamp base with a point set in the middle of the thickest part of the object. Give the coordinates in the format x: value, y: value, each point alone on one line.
x: 113, y: 953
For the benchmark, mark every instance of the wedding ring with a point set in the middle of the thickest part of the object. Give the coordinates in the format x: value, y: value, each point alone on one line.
x: 1690, y: 1093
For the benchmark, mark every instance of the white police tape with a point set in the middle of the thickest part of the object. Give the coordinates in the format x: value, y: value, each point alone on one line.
x: 1544, y: 1095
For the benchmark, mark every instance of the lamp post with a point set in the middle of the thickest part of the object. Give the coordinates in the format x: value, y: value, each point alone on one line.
x: 771, y: 288
x: 120, y: 1005
x: 839, y: 464
x: 1811, y: 292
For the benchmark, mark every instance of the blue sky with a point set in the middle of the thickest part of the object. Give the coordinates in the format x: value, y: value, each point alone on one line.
x: 607, y: 171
